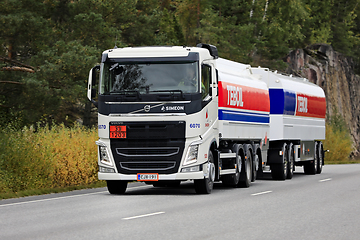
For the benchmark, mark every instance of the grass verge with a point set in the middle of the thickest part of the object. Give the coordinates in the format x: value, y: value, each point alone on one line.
x: 27, y: 193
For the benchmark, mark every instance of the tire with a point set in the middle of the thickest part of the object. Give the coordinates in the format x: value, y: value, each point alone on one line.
x: 310, y: 167
x: 291, y: 159
x: 232, y: 180
x: 254, y: 171
x: 260, y: 173
x: 279, y: 171
x: 205, y: 186
x: 116, y: 186
x: 246, y: 171
x: 320, y: 158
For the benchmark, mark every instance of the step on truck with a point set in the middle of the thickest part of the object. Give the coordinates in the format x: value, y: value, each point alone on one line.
x: 173, y: 114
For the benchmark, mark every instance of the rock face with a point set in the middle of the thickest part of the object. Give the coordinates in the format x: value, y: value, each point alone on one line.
x: 335, y: 73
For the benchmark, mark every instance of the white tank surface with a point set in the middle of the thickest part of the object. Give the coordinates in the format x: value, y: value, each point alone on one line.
x: 244, y: 104
x: 297, y: 107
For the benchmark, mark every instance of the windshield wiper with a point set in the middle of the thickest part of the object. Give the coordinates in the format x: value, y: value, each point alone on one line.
x: 170, y: 95
x: 125, y: 94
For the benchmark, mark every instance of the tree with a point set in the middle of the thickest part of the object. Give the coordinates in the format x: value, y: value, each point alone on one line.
x: 24, y: 32
x: 189, y: 13
x: 169, y: 31
x: 282, y: 28
x: 23, y: 29
x: 343, y: 25
x: 233, y: 40
x: 317, y: 28
x: 61, y: 80
x: 62, y: 39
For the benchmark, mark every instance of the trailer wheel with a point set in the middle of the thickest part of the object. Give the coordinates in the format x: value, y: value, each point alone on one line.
x: 256, y: 162
x: 205, y: 186
x: 116, y: 186
x: 320, y: 158
x: 279, y: 171
x: 291, y: 159
x: 260, y: 173
x: 246, y: 171
x: 310, y: 167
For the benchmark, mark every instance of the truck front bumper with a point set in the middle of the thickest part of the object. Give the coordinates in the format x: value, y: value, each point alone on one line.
x: 133, y: 177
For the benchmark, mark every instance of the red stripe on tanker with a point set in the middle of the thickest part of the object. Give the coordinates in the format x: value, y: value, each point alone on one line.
x: 243, y: 97
x: 310, y: 106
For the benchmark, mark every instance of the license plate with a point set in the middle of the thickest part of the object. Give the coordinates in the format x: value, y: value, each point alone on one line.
x: 148, y: 177
x: 117, y: 131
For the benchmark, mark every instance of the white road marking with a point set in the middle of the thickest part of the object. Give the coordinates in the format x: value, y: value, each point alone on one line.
x: 57, y: 198
x: 260, y: 193
x: 145, y: 215
x: 325, y: 180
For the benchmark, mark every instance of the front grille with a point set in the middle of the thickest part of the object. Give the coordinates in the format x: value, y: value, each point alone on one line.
x: 149, y: 147
x: 154, y: 152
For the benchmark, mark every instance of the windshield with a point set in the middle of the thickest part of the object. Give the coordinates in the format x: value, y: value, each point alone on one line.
x: 119, y: 78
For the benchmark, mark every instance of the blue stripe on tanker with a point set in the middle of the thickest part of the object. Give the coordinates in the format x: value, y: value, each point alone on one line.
x: 282, y: 102
x: 243, y: 116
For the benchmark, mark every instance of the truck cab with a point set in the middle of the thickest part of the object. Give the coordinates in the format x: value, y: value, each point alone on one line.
x: 157, y: 115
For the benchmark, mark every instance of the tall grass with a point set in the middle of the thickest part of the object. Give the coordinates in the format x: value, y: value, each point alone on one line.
x: 55, y: 158
x: 338, y: 140
x: 64, y: 157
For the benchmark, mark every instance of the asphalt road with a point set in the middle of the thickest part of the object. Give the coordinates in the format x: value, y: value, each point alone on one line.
x: 325, y: 206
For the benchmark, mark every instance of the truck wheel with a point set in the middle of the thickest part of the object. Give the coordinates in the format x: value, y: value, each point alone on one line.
x: 260, y: 173
x: 310, y: 166
x: 279, y: 171
x: 232, y: 180
x: 316, y: 157
x: 205, y: 186
x: 290, y: 168
x: 116, y: 186
x: 246, y: 171
x: 320, y: 158
x: 255, y: 163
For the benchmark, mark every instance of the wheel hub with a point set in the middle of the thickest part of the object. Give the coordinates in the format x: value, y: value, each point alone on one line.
x: 211, y: 171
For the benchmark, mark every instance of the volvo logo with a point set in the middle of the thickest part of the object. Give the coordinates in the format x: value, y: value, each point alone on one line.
x: 147, y: 108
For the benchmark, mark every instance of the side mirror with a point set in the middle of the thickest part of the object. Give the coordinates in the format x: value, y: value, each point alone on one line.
x: 91, y: 92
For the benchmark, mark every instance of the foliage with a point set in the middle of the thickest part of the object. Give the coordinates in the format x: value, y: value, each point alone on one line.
x: 59, y: 157
x: 63, y: 39
x: 338, y: 140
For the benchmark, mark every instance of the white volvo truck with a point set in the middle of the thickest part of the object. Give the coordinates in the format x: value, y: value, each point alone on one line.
x: 172, y: 114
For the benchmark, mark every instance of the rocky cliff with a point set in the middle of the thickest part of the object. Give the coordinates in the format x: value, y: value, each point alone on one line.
x: 335, y: 73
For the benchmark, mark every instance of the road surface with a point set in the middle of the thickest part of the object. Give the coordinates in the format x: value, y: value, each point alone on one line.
x: 324, y: 206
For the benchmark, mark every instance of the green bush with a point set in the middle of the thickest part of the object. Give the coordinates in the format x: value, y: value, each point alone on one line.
x: 338, y: 140
x: 60, y: 157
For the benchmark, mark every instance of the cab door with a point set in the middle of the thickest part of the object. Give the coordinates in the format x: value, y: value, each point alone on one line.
x: 209, y: 94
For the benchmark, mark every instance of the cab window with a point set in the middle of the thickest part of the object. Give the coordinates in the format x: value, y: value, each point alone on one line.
x: 205, y: 80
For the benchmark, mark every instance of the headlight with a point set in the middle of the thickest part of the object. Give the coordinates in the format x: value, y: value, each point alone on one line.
x: 106, y: 170
x: 104, y: 156
x: 191, y: 155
